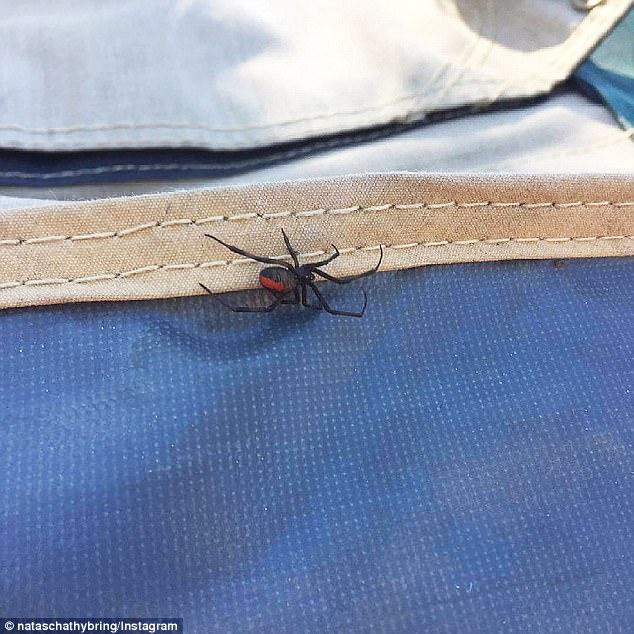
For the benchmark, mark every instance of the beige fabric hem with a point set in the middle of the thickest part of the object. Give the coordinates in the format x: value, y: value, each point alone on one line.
x: 155, y: 246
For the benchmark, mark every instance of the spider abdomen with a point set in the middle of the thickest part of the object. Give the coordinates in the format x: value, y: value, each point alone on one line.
x: 276, y: 278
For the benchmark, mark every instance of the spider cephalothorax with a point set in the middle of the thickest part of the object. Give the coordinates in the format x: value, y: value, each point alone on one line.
x: 289, y: 282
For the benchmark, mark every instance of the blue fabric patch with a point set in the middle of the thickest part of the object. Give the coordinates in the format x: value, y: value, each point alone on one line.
x: 52, y: 169
x: 617, y: 91
x: 609, y: 72
x: 459, y: 460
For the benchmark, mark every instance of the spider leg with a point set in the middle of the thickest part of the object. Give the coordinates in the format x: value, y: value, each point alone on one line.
x: 248, y: 309
x: 292, y: 251
x: 295, y: 299
x: 332, y: 311
x: 246, y: 254
x: 329, y: 259
x: 337, y: 280
x: 305, y: 300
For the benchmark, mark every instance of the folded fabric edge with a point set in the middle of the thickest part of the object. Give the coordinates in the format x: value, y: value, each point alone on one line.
x: 558, y: 64
x: 156, y: 246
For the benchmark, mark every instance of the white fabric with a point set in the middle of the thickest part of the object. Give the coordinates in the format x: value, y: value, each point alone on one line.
x: 243, y: 73
x: 564, y: 134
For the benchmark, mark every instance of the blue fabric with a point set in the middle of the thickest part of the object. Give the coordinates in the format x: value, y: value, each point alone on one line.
x: 52, y: 169
x: 616, y: 90
x: 609, y: 73
x: 459, y: 460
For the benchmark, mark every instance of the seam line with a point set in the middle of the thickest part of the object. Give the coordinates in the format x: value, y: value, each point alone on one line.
x: 153, y: 268
x: 269, y: 159
x: 168, y: 125
x: 176, y: 222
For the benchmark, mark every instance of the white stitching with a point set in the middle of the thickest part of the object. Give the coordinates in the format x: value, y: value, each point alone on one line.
x: 129, y: 230
x: 153, y: 268
x: 300, y: 214
x: 91, y: 236
x: 43, y: 240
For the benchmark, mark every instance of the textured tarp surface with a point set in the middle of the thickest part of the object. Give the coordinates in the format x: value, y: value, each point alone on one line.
x: 459, y: 460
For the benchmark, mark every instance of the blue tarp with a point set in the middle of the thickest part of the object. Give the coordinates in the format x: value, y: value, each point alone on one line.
x: 459, y: 460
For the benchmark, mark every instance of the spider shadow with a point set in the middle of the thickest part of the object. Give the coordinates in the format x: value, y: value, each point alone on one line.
x: 252, y: 333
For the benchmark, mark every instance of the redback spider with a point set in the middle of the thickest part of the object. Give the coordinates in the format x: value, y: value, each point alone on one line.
x: 289, y: 283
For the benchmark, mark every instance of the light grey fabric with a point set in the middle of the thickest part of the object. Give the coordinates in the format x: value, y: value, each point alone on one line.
x: 244, y: 73
x: 565, y: 134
